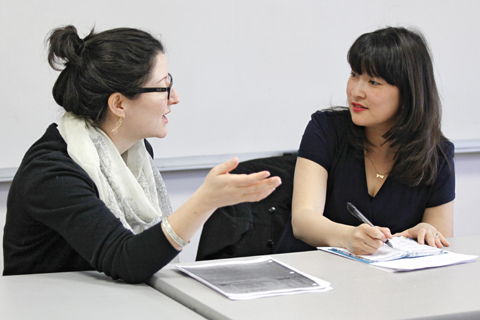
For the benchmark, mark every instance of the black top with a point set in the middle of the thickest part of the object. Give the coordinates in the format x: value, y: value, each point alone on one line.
x: 396, y: 205
x: 56, y: 222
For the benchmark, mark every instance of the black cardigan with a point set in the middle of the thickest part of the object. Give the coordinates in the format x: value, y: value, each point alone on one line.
x: 56, y: 222
x: 254, y: 228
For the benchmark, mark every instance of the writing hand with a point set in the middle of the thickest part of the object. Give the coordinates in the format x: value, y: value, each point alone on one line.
x: 365, y: 239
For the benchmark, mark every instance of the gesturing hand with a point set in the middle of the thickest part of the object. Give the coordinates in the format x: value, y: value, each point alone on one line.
x: 221, y: 188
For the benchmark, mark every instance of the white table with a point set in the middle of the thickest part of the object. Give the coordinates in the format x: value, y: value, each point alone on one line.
x: 359, y: 291
x: 83, y: 295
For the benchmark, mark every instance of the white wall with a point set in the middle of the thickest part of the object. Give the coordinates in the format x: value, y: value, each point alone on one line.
x: 249, y: 72
x: 3, y: 210
x: 467, y: 210
x: 182, y: 184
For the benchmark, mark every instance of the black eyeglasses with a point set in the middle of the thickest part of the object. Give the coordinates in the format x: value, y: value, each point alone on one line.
x: 167, y: 89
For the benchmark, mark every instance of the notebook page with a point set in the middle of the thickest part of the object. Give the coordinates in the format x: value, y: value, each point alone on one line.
x: 385, y: 253
x: 402, y: 248
x: 413, y: 248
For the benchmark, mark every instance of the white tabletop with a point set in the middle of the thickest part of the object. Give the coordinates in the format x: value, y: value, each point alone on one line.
x: 83, y: 295
x: 359, y: 291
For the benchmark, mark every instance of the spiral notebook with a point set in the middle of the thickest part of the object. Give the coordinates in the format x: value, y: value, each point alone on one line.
x: 402, y: 248
x: 398, y: 258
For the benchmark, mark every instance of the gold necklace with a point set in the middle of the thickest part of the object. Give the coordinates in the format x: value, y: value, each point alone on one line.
x: 379, y: 175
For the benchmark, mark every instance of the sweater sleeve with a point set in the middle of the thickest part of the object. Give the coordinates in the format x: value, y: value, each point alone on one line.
x: 65, y: 199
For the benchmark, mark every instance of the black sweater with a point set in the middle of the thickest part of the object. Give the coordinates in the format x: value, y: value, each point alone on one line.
x: 56, y: 222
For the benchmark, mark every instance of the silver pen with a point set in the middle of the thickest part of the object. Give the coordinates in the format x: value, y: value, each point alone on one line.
x: 356, y: 213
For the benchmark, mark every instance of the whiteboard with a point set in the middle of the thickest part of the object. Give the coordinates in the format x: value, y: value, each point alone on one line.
x: 249, y: 73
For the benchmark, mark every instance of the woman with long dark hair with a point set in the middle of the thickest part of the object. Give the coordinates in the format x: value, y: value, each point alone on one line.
x: 385, y: 154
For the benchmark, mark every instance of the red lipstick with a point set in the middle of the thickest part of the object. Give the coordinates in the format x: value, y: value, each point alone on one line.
x: 357, y: 107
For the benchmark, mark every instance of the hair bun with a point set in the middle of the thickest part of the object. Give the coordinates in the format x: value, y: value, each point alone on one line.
x: 80, y: 47
x: 65, y: 47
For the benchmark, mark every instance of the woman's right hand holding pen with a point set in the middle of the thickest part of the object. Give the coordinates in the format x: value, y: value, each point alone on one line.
x: 365, y: 239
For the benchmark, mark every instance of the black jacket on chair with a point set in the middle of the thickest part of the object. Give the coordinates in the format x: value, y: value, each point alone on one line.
x: 254, y: 228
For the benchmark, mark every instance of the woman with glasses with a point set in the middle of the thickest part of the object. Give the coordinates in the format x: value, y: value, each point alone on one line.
x: 87, y: 194
x: 385, y: 154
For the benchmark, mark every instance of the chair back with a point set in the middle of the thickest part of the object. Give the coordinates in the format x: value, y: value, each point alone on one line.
x: 249, y: 229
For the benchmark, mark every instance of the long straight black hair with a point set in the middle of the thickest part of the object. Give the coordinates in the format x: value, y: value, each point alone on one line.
x: 402, y: 58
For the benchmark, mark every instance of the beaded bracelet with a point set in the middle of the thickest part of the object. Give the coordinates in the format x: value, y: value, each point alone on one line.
x: 172, y: 234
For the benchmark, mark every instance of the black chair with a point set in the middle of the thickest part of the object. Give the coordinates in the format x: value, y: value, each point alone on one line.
x: 249, y: 229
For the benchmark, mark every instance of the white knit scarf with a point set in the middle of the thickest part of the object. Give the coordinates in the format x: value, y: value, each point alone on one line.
x: 130, y: 184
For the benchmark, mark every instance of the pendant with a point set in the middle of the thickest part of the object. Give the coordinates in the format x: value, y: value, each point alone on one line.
x: 381, y: 176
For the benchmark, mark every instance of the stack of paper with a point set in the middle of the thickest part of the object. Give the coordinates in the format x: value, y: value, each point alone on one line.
x: 249, y: 279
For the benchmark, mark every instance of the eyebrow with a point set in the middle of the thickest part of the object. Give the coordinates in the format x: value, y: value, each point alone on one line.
x: 162, y: 79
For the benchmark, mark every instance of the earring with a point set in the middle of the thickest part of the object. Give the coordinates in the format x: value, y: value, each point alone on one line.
x: 119, y: 123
